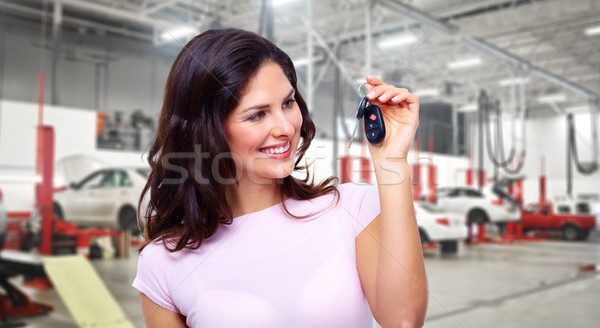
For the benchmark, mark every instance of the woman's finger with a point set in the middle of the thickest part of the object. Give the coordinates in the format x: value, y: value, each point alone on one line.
x: 374, y: 80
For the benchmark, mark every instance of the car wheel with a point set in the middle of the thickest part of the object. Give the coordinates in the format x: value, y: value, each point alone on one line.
x: 478, y: 217
x: 584, y: 234
x: 57, y: 211
x: 128, y: 221
x: 571, y: 232
x: 423, y: 236
x: 449, y: 247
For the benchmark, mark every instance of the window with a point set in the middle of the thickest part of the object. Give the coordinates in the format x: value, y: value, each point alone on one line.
x: 564, y: 209
x: 119, y: 178
x: 94, y: 181
x: 143, y: 172
x: 582, y: 208
x: 530, y: 208
x: 474, y: 193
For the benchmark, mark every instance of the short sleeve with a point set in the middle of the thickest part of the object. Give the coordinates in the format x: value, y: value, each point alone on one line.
x: 152, y: 275
x: 361, y: 203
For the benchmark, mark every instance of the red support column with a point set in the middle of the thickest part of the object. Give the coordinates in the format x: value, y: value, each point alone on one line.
x: 365, y: 170
x: 345, y: 169
x: 416, y: 183
x: 43, y: 188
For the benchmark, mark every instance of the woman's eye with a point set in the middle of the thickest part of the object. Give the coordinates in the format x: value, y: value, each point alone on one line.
x: 289, y: 103
x: 256, y: 116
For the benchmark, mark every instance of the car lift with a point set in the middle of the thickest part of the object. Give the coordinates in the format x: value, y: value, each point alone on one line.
x: 55, y: 236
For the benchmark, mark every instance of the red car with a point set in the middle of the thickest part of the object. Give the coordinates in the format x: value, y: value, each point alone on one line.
x: 544, y: 217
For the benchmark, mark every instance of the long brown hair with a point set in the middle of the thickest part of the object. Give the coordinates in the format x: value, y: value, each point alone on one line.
x: 187, y: 200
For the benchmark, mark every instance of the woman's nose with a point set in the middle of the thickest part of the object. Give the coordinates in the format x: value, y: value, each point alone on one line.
x: 282, y: 126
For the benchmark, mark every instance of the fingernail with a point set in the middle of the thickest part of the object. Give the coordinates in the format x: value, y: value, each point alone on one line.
x: 395, y: 98
x: 382, y: 97
x: 371, y: 94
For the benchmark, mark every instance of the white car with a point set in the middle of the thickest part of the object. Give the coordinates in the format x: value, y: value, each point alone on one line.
x: 439, y: 226
x: 107, y: 197
x: 475, y: 206
x: 3, y: 221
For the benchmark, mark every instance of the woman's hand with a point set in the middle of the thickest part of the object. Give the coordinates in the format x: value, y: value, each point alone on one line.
x: 400, y: 110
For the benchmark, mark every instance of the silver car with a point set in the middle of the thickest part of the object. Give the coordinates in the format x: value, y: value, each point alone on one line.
x: 105, y: 198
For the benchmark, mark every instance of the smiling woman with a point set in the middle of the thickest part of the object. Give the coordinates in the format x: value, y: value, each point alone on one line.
x: 234, y: 240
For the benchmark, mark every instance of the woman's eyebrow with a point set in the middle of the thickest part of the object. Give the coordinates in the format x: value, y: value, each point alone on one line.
x: 266, y: 105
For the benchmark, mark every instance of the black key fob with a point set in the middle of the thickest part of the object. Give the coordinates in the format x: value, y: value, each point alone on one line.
x: 374, y: 126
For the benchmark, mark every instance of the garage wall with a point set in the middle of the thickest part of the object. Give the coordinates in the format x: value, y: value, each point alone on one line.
x: 546, y: 138
x: 119, y: 83
x: 74, y: 131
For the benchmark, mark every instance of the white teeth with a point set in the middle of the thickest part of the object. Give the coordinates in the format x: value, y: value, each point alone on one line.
x: 277, y: 150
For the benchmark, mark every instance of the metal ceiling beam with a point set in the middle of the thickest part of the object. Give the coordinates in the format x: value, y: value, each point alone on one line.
x: 488, y: 48
x: 112, y: 12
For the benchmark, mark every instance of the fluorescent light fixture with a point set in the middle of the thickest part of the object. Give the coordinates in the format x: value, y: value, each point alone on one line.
x: 465, y: 63
x: 557, y: 97
x: 397, y: 41
x: 468, y: 108
x: 577, y: 109
x: 427, y: 92
x: 300, y: 62
x: 278, y: 3
x: 513, y: 81
x: 595, y: 30
x: 178, y: 33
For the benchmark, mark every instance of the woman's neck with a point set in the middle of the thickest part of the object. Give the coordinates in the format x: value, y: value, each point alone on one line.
x: 250, y: 197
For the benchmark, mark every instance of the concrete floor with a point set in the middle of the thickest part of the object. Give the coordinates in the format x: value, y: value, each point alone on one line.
x: 524, y: 284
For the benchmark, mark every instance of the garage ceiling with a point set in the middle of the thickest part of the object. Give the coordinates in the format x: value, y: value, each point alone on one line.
x: 546, y: 37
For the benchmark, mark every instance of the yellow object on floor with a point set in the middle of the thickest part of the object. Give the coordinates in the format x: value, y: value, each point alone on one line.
x: 83, y: 292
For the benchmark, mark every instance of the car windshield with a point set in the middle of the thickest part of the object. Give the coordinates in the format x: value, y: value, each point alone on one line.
x: 430, y: 208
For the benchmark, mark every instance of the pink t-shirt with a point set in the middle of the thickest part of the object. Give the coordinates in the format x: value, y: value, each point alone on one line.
x: 268, y: 269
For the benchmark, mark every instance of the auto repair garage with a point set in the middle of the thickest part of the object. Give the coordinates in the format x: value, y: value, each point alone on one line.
x: 504, y: 166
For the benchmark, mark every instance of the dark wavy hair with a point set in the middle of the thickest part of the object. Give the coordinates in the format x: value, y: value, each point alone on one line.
x: 186, y: 203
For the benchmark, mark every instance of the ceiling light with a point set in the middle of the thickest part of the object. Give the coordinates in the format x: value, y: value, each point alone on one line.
x: 278, y: 3
x: 178, y: 33
x: 468, y: 108
x: 592, y: 30
x: 470, y: 62
x: 300, y: 62
x: 396, y: 41
x: 513, y: 81
x: 577, y: 109
x: 552, y: 98
x: 427, y: 93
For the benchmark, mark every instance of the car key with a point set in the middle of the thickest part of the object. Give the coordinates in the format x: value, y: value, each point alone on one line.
x: 373, y: 120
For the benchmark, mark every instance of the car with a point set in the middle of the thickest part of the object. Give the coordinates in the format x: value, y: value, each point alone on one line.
x: 3, y: 220
x: 559, y: 217
x: 582, y: 206
x: 477, y: 207
x: 105, y: 198
x: 438, y: 226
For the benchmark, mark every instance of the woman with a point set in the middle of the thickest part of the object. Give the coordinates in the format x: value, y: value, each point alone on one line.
x: 234, y: 240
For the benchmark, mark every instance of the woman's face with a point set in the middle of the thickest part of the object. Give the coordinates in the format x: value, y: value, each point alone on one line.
x: 263, y: 131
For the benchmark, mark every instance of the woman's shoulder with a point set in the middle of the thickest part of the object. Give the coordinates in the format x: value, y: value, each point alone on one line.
x: 160, y: 250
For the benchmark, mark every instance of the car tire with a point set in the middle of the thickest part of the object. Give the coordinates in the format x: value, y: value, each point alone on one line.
x: 477, y: 217
x: 57, y: 211
x: 423, y: 236
x: 585, y: 233
x: 128, y: 220
x: 571, y: 232
x: 449, y: 247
